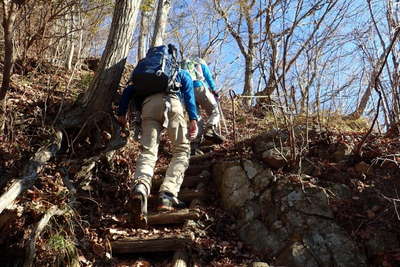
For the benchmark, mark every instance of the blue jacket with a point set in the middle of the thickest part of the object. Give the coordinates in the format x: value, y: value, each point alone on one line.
x: 186, y: 94
x: 207, y: 76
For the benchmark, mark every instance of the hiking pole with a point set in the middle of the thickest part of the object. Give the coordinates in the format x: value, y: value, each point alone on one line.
x: 222, y: 117
x: 232, y: 94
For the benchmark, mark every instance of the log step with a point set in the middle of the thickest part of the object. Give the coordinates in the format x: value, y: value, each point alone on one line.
x: 135, y: 245
x: 174, y: 217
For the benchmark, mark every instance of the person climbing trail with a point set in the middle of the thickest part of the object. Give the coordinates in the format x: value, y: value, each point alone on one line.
x: 207, y: 98
x: 164, y: 91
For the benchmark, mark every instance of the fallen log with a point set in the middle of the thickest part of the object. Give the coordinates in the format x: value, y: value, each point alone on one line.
x: 149, y: 245
x: 30, y: 172
x: 174, y: 217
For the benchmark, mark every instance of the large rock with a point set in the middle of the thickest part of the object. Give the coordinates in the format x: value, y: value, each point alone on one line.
x: 264, y: 179
x: 251, y: 168
x: 233, y: 185
x: 256, y: 235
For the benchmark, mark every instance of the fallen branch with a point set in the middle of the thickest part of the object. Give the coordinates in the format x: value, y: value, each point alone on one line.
x: 30, y: 172
x: 31, y: 248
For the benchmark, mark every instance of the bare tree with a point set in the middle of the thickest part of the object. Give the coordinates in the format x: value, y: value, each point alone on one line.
x: 247, y: 48
x: 161, y: 22
x: 9, y: 10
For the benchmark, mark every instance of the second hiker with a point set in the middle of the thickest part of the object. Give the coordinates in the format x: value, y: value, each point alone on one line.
x: 206, y: 97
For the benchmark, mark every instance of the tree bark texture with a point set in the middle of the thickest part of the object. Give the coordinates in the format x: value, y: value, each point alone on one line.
x: 98, y: 98
x: 144, y: 33
x: 9, y: 9
x: 161, y: 22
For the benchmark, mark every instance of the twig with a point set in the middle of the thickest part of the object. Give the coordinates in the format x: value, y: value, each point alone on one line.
x: 376, y: 84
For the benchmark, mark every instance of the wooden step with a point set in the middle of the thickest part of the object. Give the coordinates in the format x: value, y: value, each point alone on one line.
x: 138, y: 245
x: 173, y: 217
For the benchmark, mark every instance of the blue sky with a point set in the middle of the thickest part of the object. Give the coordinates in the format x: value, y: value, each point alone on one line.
x: 228, y: 63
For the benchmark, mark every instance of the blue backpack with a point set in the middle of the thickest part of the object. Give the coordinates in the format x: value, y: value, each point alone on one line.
x: 156, y: 72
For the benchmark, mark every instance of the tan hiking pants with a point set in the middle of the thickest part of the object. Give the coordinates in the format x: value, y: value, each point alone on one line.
x: 206, y: 100
x: 160, y: 110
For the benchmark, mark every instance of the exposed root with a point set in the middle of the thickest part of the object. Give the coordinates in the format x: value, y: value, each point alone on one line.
x: 31, y: 248
x: 30, y: 172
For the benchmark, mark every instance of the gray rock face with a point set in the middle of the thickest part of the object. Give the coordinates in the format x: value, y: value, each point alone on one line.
x: 234, y: 187
x: 289, y: 221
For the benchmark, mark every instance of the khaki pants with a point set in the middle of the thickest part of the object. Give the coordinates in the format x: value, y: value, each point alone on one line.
x: 207, y: 101
x: 156, y: 112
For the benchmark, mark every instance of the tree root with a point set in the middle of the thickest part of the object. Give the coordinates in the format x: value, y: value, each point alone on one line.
x: 30, y: 172
x: 31, y: 248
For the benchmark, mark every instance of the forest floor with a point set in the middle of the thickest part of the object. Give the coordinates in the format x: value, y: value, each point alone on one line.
x: 96, y: 212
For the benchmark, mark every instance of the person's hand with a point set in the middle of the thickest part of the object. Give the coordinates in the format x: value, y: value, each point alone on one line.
x: 122, y: 120
x: 193, y: 130
x: 216, y: 94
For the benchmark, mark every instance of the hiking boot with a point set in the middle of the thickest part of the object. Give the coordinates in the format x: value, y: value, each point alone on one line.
x: 169, y: 202
x: 213, y: 136
x: 139, y: 203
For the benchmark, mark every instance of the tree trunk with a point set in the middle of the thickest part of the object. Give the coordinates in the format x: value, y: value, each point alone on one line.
x: 161, y: 22
x: 248, y: 78
x: 70, y: 41
x: 363, y: 102
x: 9, y: 16
x: 144, y: 33
x: 99, y: 96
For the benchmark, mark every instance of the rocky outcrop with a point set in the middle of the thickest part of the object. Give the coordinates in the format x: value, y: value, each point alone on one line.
x: 285, y: 216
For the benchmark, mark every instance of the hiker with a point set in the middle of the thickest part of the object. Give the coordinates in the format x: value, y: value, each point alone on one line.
x: 206, y: 98
x: 160, y: 110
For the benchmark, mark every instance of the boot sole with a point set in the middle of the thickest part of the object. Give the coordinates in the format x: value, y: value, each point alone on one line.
x: 138, y: 219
